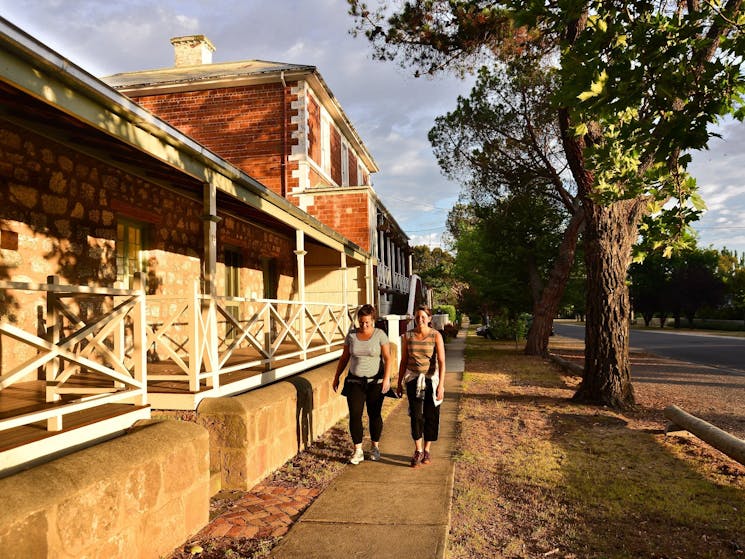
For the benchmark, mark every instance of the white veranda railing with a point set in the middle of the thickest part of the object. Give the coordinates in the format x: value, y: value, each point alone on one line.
x: 207, y: 337
x: 86, y: 345
x: 89, y: 346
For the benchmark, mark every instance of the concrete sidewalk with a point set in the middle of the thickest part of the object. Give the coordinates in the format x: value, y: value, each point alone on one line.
x: 387, y: 508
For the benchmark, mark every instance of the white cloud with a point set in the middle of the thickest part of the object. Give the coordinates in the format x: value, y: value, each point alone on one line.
x: 433, y: 240
x: 718, y: 196
x: 719, y: 174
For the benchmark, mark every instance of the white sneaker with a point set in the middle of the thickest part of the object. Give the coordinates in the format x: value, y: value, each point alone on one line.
x: 375, y: 454
x: 357, y: 457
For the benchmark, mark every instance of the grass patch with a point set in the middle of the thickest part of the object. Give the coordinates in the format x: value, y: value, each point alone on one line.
x: 538, y: 475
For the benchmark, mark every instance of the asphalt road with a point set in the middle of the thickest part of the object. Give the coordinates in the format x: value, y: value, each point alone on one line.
x: 724, y: 352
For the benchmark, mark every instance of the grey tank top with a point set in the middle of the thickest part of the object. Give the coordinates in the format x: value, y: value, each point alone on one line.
x: 365, y: 355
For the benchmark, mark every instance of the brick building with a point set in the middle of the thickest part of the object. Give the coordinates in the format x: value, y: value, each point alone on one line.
x: 281, y: 124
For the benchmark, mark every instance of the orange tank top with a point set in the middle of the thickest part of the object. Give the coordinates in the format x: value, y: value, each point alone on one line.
x: 422, y: 358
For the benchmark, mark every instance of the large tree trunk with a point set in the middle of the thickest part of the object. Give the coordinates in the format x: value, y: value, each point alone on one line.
x: 545, y: 307
x: 610, y: 232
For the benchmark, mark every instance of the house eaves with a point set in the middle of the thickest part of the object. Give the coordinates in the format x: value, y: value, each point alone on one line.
x: 389, y: 217
x: 203, y: 76
x: 31, y: 67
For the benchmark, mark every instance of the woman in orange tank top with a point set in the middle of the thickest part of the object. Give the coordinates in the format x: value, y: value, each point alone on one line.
x: 422, y: 371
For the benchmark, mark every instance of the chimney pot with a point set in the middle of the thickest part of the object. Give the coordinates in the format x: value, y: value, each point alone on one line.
x: 192, y: 50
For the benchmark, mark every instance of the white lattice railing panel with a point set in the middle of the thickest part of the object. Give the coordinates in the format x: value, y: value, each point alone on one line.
x: 207, y: 338
x: 276, y: 330
x: 87, y: 347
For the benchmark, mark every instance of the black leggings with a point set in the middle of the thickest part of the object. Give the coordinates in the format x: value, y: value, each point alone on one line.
x: 359, y: 395
x: 425, y: 415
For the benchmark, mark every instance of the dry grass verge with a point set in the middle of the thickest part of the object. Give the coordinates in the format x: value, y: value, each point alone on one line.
x: 540, y: 476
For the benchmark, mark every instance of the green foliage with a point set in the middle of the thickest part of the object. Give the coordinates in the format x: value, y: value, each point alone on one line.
x: 504, y: 327
x: 448, y: 310
x: 574, y: 300
x: 678, y: 285
x: 522, y: 325
x: 503, y: 142
x: 731, y: 269
x: 638, y: 84
x: 435, y: 267
x: 504, y: 137
x: 721, y: 320
x: 638, y: 87
x: 736, y: 288
x: 486, y: 261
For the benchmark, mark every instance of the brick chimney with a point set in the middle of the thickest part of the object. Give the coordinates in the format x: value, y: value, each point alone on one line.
x: 192, y: 50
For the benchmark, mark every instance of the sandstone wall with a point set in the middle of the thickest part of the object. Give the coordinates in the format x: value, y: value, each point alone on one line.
x: 139, y: 495
x: 253, y: 434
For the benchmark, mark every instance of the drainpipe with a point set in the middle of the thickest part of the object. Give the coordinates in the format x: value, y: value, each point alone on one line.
x: 283, y: 162
x: 210, y: 219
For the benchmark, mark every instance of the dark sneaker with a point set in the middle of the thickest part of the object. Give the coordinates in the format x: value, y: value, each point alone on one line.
x: 426, y: 458
x: 375, y: 454
x: 416, y: 460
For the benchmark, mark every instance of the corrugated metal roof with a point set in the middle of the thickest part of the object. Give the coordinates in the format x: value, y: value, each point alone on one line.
x: 202, y: 72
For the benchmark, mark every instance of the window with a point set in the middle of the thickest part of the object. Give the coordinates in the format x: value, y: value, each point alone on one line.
x: 271, y: 280
x: 325, y: 145
x: 344, y: 164
x: 233, y: 264
x: 130, y: 244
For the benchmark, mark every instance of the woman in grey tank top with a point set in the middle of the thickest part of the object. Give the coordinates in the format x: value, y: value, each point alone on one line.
x: 367, y: 351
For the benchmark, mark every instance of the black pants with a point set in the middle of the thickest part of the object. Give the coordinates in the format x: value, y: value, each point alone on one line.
x: 425, y: 415
x: 359, y: 395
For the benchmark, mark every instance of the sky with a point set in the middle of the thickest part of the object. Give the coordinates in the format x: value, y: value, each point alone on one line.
x: 391, y: 110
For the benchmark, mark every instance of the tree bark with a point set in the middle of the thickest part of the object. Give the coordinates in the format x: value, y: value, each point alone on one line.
x: 546, y: 307
x: 610, y: 232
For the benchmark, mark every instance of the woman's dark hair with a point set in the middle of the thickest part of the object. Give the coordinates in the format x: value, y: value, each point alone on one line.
x: 424, y: 308
x: 366, y: 310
